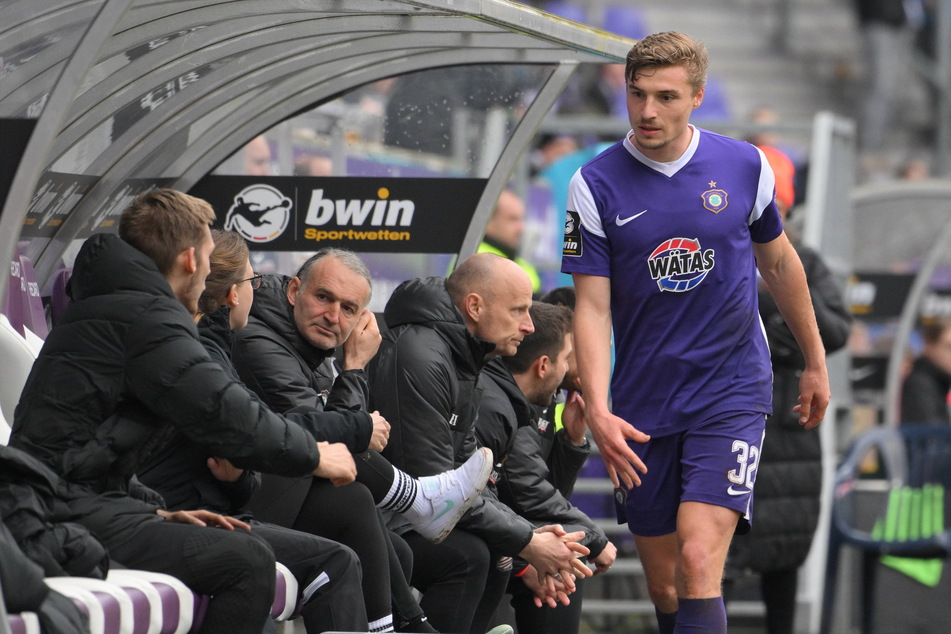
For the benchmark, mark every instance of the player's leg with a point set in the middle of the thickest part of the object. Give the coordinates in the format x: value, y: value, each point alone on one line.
x: 651, y: 514
x: 719, y: 459
x: 704, y: 532
x: 659, y: 557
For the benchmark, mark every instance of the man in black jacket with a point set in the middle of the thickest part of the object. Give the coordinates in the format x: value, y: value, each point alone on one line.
x: 517, y: 391
x: 127, y: 344
x: 425, y: 381
x: 285, y: 354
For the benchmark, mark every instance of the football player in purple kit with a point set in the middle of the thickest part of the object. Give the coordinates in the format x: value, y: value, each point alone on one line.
x: 665, y: 232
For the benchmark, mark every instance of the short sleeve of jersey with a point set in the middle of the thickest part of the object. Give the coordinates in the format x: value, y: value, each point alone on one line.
x: 765, y: 222
x: 586, y: 248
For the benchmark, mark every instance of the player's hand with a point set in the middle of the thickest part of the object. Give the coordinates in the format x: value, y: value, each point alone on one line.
x: 336, y: 463
x: 814, y: 396
x: 203, y: 518
x: 572, y: 417
x: 605, y: 559
x: 363, y: 342
x: 381, y: 432
x: 223, y: 470
x: 611, y: 434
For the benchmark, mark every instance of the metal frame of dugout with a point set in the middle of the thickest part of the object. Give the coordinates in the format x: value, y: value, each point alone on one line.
x: 110, y: 84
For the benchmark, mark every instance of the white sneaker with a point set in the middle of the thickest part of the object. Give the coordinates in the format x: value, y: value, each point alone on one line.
x: 450, y: 494
x: 501, y: 629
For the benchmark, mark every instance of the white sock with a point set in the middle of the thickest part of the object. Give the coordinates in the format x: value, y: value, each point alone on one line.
x: 382, y: 625
x: 403, y: 492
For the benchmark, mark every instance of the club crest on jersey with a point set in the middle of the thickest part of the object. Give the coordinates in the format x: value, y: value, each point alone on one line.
x: 679, y: 264
x: 714, y: 199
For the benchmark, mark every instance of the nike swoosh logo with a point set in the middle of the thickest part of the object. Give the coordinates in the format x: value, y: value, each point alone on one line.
x: 621, y: 222
x: 449, y: 505
x: 858, y: 374
x: 733, y: 491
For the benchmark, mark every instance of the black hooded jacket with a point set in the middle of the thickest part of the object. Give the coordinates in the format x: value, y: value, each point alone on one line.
x: 425, y: 382
x: 509, y: 426
x: 287, y: 373
x: 123, y: 367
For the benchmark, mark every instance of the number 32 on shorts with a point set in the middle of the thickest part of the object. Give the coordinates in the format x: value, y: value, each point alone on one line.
x: 747, y: 458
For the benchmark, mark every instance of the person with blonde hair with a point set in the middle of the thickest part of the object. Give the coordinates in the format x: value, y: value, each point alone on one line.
x: 671, y: 225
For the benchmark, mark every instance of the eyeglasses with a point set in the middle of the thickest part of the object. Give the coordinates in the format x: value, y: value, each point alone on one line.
x: 255, y: 280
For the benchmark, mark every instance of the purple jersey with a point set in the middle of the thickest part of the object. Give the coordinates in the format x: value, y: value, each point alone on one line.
x: 676, y: 241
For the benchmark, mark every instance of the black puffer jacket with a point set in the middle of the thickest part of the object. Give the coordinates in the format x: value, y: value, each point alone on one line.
x: 179, y: 471
x: 25, y: 591
x: 507, y: 424
x: 425, y: 382
x: 35, y: 512
x: 789, y: 477
x: 924, y: 394
x: 286, y: 372
x: 122, y: 367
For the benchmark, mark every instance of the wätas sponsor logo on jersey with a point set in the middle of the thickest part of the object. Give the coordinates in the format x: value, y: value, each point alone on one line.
x: 679, y: 264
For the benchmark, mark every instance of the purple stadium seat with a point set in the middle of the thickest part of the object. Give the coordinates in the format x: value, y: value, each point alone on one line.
x: 625, y: 20
x: 715, y: 106
x: 24, y: 623
x: 108, y: 606
x: 59, y: 300
x: 34, y: 315
x: 285, y: 594
x: 161, y: 604
x: 568, y: 10
x: 13, y: 299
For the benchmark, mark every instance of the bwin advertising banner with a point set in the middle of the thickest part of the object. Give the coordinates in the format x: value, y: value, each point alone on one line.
x: 385, y: 215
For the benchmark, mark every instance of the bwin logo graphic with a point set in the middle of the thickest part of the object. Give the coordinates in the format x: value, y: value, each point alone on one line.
x: 260, y: 213
x: 380, y: 212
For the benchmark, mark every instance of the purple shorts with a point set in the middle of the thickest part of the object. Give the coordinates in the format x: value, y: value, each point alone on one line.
x: 714, y: 462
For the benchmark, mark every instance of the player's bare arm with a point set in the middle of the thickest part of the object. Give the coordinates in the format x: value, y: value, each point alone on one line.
x: 593, y: 346
x: 782, y: 271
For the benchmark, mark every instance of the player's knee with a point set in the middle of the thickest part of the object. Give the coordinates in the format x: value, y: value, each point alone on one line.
x: 663, y: 595
x: 699, y: 567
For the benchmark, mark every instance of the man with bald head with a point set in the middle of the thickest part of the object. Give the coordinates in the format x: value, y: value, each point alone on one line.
x: 425, y: 381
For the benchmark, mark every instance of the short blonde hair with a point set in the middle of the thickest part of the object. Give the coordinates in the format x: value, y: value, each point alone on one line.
x: 162, y: 223
x: 669, y: 48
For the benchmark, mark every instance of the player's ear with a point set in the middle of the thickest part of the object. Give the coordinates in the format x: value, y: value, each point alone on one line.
x: 698, y: 98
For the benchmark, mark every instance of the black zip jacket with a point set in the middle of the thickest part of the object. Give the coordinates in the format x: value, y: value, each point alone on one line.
x: 508, y: 425
x: 425, y: 382
x: 287, y: 373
